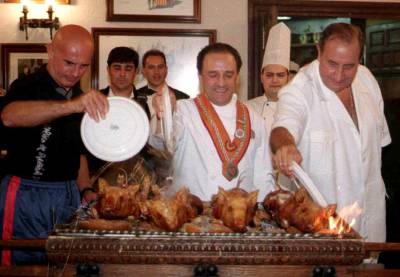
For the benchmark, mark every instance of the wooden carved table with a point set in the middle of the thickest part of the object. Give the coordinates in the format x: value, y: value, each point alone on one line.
x: 71, y: 252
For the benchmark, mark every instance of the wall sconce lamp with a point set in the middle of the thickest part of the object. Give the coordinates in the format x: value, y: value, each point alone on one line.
x: 50, y: 23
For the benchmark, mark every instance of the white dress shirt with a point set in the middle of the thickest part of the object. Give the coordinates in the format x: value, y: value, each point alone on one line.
x: 196, y: 163
x: 343, y: 162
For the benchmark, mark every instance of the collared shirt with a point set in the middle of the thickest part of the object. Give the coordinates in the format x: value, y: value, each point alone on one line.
x: 265, y: 108
x: 111, y: 93
x: 343, y: 162
x: 196, y: 163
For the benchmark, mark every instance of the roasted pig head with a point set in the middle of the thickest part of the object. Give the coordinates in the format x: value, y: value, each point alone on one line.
x: 275, y: 200
x: 235, y: 207
x: 170, y: 214
x: 298, y: 210
x: 117, y: 202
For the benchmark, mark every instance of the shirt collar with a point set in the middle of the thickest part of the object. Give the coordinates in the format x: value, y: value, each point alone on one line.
x: 228, y: 108
x: 111, y: 93
x: 265, y: 99
x: 66, y: 93
x: 155, y: 89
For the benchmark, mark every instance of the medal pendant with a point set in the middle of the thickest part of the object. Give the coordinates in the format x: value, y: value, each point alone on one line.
x: 230, y: 171
x: 239, y: 133
x: 230, y: 146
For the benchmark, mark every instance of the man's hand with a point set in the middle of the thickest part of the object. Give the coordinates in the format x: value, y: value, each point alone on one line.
x: 285, y: 151
x: 283, y: 158
x: 157, y: 102
x: 94, y: 103
x: 89, y: 196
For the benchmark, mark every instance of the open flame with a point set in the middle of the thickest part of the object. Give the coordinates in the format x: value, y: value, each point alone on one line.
x: 345, y: 220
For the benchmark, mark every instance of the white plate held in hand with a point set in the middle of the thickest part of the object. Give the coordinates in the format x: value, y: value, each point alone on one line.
x: 121, y: 135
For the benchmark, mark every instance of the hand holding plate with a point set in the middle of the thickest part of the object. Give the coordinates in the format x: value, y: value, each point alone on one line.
x: 92, y: 102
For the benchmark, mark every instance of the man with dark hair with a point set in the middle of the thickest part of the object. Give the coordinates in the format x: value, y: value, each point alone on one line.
x: 155, y: 70
x: 330, y: 118
x: 217, y: 140
x: 217, y: 48
x: 41, y: 114
x: 122, y: 64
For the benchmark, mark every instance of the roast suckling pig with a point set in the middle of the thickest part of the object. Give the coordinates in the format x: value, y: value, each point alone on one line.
x: 117, y: 202
x: 205, y: 224
x: 298, y: 210
x: 235, y: 207
x: 170, y: 214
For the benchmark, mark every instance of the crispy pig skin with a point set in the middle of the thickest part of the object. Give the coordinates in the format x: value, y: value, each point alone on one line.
x: 205, y: 224
x: 235, y: 207
x: 298, y: 210
x: 171, y: 213
x: 117, y: 202
x: 105, y: 225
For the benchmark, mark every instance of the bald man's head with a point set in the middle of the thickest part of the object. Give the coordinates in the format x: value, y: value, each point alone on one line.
x: 70, y: 53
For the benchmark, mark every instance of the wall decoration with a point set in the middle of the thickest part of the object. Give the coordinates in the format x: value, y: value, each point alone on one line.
x: 179, y: 46
x: 20, y: 59
x: 37, y: 1
x: 182, y: 11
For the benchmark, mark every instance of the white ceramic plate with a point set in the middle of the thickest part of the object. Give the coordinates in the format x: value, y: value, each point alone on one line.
x: 167, y: 119
x: 121, y: 135
x: 306, y: 181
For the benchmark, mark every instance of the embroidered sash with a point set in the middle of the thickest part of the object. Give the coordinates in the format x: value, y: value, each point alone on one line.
x: 230, y: 152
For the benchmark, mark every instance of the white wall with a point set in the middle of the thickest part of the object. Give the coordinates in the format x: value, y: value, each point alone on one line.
x: 228, y: 17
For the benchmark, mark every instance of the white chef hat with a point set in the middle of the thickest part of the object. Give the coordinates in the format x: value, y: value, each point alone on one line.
x: 294, y: 66
x: 277, y: 50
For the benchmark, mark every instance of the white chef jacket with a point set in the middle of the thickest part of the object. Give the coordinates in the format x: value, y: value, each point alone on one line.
x: 344, y: 163
x: 196, y: 163
x: 265, y: 108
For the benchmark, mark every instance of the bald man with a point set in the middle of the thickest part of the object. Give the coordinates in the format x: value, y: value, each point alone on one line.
x: 41, y: 114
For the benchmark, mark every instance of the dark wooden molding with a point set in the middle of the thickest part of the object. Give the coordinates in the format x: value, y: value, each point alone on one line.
x: 7, y: 49
x: 262, y: 15
x: 39, y: 1
x: 97, y: 32
x: 195, y: 18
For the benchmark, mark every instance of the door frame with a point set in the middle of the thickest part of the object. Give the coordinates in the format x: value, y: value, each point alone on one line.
x: 262, y: 15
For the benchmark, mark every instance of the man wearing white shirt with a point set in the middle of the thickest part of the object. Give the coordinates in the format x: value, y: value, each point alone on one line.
x: 330, y: 119
x: 122, y: 64
x: 217, y: 140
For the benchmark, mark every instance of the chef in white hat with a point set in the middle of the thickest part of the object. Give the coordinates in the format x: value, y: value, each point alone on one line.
x: 274, y: 72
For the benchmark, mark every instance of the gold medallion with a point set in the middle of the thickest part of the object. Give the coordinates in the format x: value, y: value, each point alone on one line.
x: 230, y: 171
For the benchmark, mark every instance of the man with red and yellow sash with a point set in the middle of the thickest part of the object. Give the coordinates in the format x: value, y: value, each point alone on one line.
x: 217, y: 141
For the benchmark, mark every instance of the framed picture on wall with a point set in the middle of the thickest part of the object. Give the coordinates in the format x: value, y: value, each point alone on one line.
x: 20, y: 59
x: 181, y: 11
x: 37, y: 1
x: 179, y: 46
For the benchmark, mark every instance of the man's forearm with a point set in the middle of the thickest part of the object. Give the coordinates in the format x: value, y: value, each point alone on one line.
x: 83, y: 180
x: 33, y: 113
x: 280, y: 136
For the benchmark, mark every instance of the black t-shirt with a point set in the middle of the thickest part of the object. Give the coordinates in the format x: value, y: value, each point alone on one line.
x: 47, y: 152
